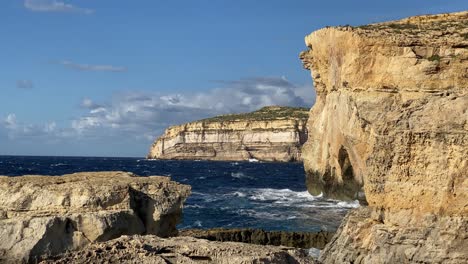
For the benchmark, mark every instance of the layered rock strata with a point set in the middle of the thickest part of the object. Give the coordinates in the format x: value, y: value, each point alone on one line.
x: 269, y: 134
x: 261, y: 237
x: 154, y: 250
x: 391, y: 122
x: 45, y: 215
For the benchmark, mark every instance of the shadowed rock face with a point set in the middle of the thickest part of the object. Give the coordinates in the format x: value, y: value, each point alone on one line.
x: 154, y: 250
x: 270, y: 134
x: 260, y: 237
x: 391, y: 122
x: 46, y: 215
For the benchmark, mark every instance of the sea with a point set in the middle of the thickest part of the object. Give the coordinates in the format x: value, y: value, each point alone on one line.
x: 265, y: 195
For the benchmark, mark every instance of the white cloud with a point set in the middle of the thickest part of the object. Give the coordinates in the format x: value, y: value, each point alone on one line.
x: 54, y: 6
x: 146, y: 115
x: 140, y: 117
x: 24, y: 84
x: 90, y: 67
x: 19, y: 130
x: 10, y: 121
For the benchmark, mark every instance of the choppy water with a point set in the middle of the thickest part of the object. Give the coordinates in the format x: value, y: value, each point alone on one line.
x: 271, y: 196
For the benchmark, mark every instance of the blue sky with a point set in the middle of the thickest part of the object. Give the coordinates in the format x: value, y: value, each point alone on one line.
x: 104, y: 78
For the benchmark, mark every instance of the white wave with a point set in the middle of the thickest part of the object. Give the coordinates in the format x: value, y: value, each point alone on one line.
x: 201, y: 178
x: 253, y: 160
x: 58, y: 164
x: 239, y: 194
x: 280, y: 196
x: 287, y: 197
x: 207, y: 198
x: 234, y: 163
x: 314, y: 252
x: 351, y: 204
x: 197, y: 223
x: 193, y: 206
x: 241, y: 175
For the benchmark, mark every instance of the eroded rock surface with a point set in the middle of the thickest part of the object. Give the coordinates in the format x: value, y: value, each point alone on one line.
x: 261, y: 237
x: 46, y: 215
x: 391, y: 122
x: 152, y: 249
x: 269, y: 134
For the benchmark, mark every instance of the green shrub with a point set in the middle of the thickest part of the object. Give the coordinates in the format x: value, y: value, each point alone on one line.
x: 434, y: 57
x: 264, y: 114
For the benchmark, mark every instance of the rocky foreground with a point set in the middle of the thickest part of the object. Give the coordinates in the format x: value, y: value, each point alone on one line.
x: 110, y: 217
x: 270, y: 134
x: 390, y: 127
x: 43, y: 216
x: 180, y: 250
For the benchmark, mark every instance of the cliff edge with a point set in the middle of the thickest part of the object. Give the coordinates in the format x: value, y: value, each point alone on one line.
x: 272, y: 133
x: 390, y: 127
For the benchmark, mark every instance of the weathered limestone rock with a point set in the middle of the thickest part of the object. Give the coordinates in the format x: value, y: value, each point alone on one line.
x: 152, y: 249
x: 46, y: 215
x: 261, y: 237
x: 391, y: 121
x: 269, y: 134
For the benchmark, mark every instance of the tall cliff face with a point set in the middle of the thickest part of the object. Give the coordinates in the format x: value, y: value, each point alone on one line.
x: 269, y: 134
x: 391, y: 122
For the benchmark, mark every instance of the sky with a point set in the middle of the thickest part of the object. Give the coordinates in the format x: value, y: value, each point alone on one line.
x: 105, y: 78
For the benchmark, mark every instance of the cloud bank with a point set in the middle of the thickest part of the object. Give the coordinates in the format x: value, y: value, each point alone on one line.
x: 148, y: 114
x: 54, y: 6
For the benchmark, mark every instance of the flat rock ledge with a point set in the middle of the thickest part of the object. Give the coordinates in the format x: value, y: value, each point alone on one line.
x: 181, y: 250
x: 304, y: 240
x: 43, y: 216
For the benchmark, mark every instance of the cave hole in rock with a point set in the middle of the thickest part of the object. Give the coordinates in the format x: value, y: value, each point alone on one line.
x: 349, y: 180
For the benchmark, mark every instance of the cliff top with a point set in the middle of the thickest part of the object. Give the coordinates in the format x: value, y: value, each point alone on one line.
x: 265, y: 113
x: 423, y: 53
x: 432, y: 30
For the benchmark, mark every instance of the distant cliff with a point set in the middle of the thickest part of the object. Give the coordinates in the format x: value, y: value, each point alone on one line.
x: 272, y: 133
x: 391, y: 122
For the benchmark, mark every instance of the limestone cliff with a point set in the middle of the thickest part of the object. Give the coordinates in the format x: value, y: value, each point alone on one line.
x: 269, y: 134
x: 391, y: 122
x: 43, y: 215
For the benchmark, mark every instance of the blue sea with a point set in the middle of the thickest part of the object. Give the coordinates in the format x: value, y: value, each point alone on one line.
x: 271, y: 196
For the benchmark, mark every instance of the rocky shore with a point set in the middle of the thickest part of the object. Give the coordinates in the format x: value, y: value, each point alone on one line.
x: 390, y: 127
x: 303, y: 240
x: 110, y: 217
x: 270, y: 134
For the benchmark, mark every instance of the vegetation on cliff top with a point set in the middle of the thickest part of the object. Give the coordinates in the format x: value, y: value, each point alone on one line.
x: 265, y: 113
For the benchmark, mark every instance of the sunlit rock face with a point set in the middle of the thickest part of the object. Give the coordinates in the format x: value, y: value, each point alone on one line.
x: 43, y: 216
x: 390, y: 128
x: 269, y: 134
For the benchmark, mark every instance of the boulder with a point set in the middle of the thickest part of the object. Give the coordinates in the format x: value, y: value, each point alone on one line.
x: 47, y: 215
